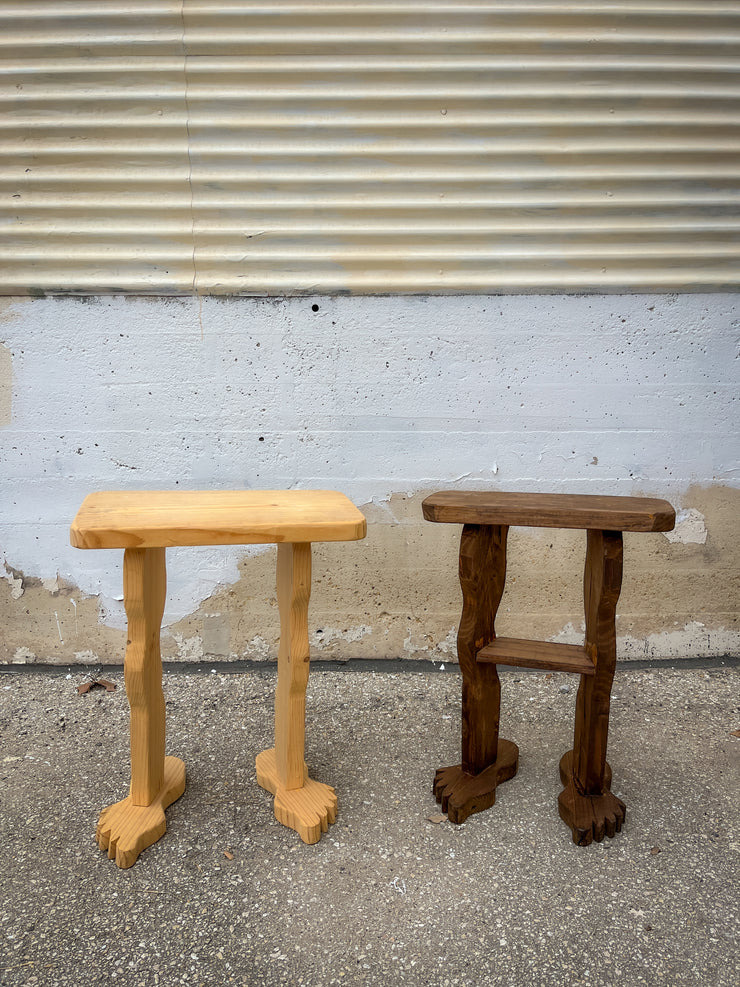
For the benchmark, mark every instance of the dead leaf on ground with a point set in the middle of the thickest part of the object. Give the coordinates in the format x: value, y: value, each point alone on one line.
x: 735, y: 733
x: 229, y: 856
x: 437, y: 817
x: 103, y: 683
x: 655, y: 850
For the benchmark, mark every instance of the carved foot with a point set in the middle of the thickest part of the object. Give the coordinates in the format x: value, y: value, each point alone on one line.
x: 462, y: 794
x: 309, y: 810
x: 590, y: 817
x: 125, y: 829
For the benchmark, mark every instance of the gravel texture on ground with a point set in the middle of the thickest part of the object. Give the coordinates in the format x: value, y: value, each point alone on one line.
x: 387, y: 896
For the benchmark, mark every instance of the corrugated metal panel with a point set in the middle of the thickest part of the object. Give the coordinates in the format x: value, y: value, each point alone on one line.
x: 236, y: 147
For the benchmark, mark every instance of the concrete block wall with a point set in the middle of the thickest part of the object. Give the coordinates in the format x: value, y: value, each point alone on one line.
x: 385, y: 399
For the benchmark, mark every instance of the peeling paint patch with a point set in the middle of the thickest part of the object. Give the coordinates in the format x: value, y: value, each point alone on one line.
x: 418, y: 639
x: 51, y: 585
x: 694, y: 638
x: 190, y: 648
x: 23, y: 656
x: 16, y: 582
x: 258, y: 647
x: 448, y: 645
x: 88, y: 658
x: 570, y: 634
x: 690, y: 528
x: 328, y: 634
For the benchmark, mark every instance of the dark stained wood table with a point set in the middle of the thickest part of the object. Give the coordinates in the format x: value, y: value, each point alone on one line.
x: 586, y: 803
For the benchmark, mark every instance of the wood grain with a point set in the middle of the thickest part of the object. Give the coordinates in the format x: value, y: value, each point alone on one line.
x: 482, y: 569
x: 128, y: 827
x: 125, y: 828
x: 590, y: 817
x: 162, y: 518
x: 309, y: 810
x: 586, y: 804
x: 144, y: 591
x: 461, y: 794
x: 301, y: 803
x: 293, y: 593
x: 144, y: 523
x: 550, y: 510
x: 538, y: 654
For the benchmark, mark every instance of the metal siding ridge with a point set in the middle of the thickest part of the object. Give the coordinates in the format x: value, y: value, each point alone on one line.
x: 266, y: 148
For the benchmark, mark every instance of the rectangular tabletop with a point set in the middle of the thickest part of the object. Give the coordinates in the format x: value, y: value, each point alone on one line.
x: 162, y: 518
x: 550, y: 510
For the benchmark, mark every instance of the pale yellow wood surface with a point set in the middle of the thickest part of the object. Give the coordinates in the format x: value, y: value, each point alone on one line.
x: 128, y: 827
x: 293, y: 593
x: 125, y: 828
x: 144, y: 589
x: 309, y: 810
x: 161, y: 518
x: 144, y: 523
x: 305, y: 805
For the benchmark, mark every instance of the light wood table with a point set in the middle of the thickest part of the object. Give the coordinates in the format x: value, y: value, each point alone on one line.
x: 145, y: 524
x: 586, y: 803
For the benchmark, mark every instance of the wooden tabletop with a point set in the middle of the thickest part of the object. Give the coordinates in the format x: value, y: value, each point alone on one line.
x: 162, y: 518
x: 550, y: 510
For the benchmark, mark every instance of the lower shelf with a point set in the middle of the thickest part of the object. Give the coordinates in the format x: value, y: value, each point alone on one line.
x: 538, y: 654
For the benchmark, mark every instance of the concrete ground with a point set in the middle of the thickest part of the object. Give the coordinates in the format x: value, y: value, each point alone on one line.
x: 387, y: 896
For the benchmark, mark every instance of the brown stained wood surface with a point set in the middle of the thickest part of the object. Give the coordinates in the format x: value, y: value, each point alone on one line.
x: 461, y: 793
x: 470, y: 786
x: 538, y: 654
x: 550, y: 510
x: 161, y: 518
x: 482, y: 577
x: 590, y: 817
x: 602, y: 582
x: 586, y: 804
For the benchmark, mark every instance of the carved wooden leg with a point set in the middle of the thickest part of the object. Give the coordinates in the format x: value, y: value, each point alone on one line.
x: 301, y: 803
x: 486, y: 761
x: 128, y: 827
x: 586, y: 803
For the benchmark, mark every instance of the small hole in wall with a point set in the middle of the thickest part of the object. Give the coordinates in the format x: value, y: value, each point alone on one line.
x: 314, y: 307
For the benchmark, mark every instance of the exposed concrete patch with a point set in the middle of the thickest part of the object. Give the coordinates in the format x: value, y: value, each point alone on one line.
x: 216, y: 634
x: 54, y: 626
x: 6, y: 386
x: 397, y: 594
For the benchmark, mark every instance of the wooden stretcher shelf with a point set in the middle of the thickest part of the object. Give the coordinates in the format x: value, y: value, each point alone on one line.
x: 537, y: 654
